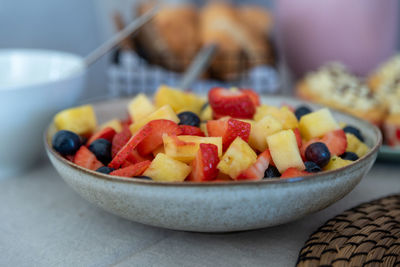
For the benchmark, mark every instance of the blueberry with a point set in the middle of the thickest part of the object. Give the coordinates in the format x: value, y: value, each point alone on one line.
x: 271, y: 172
x: 66, y: 142
x: 101, y: 148
x: 349, y: 156
x: 105, y: 169
x: 301, y: 111
x: 318, y: 153
x: 142, y: 177
x: 353, y: 130
x: 312, y: 167
x: 189, y: 118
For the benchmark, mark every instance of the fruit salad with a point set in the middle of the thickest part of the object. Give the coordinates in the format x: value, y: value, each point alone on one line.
x: 230, y: 135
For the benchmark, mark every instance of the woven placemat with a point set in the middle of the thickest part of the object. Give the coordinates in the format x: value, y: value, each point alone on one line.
x: 367, y: 235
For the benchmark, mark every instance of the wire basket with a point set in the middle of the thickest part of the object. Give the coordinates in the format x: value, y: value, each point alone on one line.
x: 129, y: 74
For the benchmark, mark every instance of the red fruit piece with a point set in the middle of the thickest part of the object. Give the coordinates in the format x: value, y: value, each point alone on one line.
x: 85, y: 158
x: 253, y: 96
x: 132, y: 170
x: 398, y: 134
x: 119, y: 140
x: 298, y: 137
x: 135, y: 157
x: 257, y: 170
x: 293, y: 172
x: 236, y: 104
x: 107, y: 133
x: 204, y: 166
x: 228, y: 129
x: 127, y: 122
x: 336, y: 142
x: 133, y: 142
x: 191, y: 130
x: 154, y: 138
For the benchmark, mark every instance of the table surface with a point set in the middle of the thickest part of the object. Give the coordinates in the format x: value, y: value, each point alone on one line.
x: 45, y: 223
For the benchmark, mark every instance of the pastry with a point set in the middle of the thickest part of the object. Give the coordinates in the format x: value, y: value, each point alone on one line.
x: 332, y: 85
x: 256, y: 18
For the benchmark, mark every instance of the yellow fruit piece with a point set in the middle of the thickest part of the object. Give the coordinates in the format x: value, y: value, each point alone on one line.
x: 355, y: 145
x: 184, y: 147
x: 284, y: 150
x: 178, y: 100
x: 140, y: 107
x: 203, y: 128
x: 165, y: 112
x: 317, y: 123
x: 335, y: 163
x: 261, y: 129
x: 342, y: 124
x: 238, y: 157
x: 166, y: 169
x: 80, y: 120
x: 285, y: 116
x: 206, y: 114
x: 114, y: 123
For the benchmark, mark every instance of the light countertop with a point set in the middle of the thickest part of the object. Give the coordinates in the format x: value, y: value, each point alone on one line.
x: 43, y: 222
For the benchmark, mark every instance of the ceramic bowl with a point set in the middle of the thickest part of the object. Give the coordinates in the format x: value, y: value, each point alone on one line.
x: 215, y: 206
x: 34, y: 84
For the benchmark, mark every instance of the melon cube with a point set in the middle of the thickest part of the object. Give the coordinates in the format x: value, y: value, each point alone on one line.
x: 184, y: 147
x: 165, y: 112
x: 80, y: 120
x: 285, y: 151
x: 261, y: 129
x: 140, y: 107
x: 238, y: 157
x: 166, y: 169
x: 317, y: 124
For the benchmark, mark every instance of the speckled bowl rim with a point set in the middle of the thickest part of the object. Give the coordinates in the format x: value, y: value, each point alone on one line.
x: 97, y: 175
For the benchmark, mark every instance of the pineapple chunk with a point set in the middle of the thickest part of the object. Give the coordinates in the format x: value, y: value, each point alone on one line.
x: 140, y: 107
x: 317, y: 123
x: 284, y: 115
x: 166, y: 169
x: 284, y: 150
x: 203, y: 128
x: 238, y: 157
x: 80, y: 120
x: 206, y: 114
x: 114, y: 123
x: 184, y: 147
x: 178, y: 100
x: 261, y: 129
x: 355, y: 145
x: 165, y: 112
x: 335, y: 163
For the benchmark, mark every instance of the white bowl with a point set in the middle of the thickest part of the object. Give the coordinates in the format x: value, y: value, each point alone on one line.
x: 215, y: 206
x: 34, y: 84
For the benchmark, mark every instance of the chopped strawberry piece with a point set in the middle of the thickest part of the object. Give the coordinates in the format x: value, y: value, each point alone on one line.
x: 69, y: 157
x: 268, y: 155
x: 133, y: 142
x: 127, y: 122
x: 336, y: 142
x: 398, y: 134
x: 298, y: 137
x: 293, y: 172
x: 228, y: 129
x: 154, y: 138
x: 204, y: 166
x: 253, y: 96
x: 132, y: 170
x: 236, y: 104
x: 191, y: 130
x: 257, y: 170
x: 107, y: 133
x: 135, y: 157
x: 85, y: 158
x: 119, y: 140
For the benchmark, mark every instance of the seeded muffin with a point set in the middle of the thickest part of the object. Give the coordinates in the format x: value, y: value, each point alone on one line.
x: 387, y: 73
x: 332, y: 85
